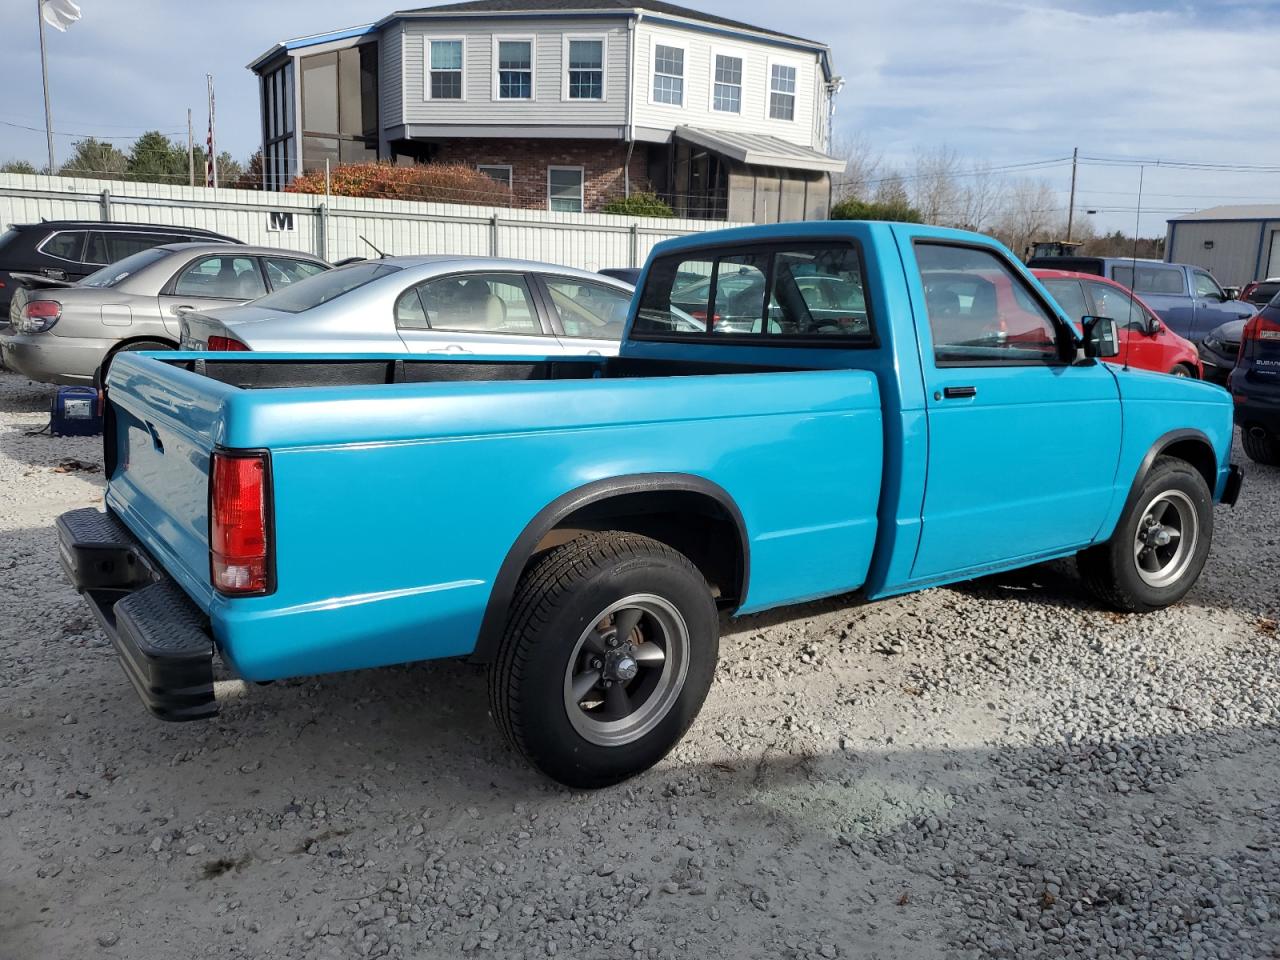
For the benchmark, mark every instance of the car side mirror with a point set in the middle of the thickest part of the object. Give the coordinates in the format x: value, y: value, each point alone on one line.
x: 1154, y: 326
x: 1101, y: 338
x: 1233, y: 293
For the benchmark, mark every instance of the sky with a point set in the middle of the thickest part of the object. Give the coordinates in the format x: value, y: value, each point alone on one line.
x: 1004, y: 82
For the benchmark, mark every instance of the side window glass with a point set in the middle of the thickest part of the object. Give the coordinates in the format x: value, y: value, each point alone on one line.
x: 1207, y: 287
x: 221, y: 278
x: 980, y: 312
x: 121, y: 245
x: 675, y: 298
x: 282, y: 271
x: 589, y: 310
x: 66, y: 245
x: 96, y: 251
x: 409, y: 312
x: 1070, y: 297
x: 1109, y: 301
x: 481, y: 303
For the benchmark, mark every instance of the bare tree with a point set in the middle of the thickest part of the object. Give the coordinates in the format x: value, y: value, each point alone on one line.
x: 979, y: 200
x: 935, y: 190
x: 1030, y: 212
x: 891, y: 188
x: 863, y: 161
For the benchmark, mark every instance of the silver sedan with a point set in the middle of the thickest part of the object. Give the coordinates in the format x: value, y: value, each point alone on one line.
x: 68, y: 334
x: 427, y: 304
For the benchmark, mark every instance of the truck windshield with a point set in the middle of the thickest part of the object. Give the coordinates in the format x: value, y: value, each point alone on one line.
x: 323, y: 287
x: 115, y: 273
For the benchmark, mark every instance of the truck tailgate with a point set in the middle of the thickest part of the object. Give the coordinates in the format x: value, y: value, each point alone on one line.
x: 159, y: 435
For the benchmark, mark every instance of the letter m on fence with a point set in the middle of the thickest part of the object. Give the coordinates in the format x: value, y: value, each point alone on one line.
x: 280, y: 221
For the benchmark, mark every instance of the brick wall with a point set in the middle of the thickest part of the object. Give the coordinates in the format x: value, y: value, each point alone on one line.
x: 602, y: 162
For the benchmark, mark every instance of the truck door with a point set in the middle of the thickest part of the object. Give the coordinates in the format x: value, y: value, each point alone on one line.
x: 1164, y: 288
x: 1023, y: 443
x: 1213, y: 306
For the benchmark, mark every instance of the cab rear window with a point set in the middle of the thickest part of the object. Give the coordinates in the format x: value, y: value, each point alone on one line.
x: 783, y: 294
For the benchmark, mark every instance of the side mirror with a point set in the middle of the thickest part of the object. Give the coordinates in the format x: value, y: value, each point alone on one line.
x: 1233, y: 293
x: 1101, y: 338
x: 1154, y: 326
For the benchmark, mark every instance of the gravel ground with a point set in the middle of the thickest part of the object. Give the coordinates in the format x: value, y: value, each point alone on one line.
x: 995, y: 770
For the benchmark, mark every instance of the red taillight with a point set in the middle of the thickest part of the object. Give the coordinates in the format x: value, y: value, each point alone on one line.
x: 1262, y: 326
x: 239, y: 548
x: 226, y: 343
x: 43, y: 310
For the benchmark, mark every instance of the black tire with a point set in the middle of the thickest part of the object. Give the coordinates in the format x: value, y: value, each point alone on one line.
x: 101, y: 376
x: 559, y: 603
x: 1261, y: 448
x: 1182, y: 370
x: 1112, y: 571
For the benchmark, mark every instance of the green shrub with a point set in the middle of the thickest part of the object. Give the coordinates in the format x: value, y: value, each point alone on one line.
x: 639, y: 205
x: 854, y: 209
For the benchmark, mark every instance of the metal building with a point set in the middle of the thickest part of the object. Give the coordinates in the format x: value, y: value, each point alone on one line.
x: 1236, y: 244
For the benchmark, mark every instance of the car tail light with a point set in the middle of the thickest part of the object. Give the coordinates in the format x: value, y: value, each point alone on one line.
x: 239, y: 526
x: 1263, y: 326
x: 39, y: 315
x: 226, y: 343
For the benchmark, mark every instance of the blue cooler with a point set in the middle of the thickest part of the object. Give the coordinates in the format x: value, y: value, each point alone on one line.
x: 76, y: 412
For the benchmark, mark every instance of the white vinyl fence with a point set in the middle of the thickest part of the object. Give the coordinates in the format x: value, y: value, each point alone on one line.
x: 332, y: 227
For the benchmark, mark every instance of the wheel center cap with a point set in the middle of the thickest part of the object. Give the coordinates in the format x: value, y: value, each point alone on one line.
x: 620, y: 665
x: 1156, y: 536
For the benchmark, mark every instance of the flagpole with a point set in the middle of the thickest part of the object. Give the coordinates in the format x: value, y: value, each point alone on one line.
x: 213, y: 148
x: 191, y: 150
x: 44, y: 73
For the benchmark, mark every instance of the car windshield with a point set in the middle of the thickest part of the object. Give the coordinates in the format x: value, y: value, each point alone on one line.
x: 324, y: 287
x: 115, y: 273
x: 1260, y: 296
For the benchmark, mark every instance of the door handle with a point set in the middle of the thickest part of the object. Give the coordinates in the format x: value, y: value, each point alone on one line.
x: 180, y: 307
x: 959, y: 393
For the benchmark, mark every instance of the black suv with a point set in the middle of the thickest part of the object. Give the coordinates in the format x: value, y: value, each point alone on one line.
x: 1255, y: 385
x: 69, y: 250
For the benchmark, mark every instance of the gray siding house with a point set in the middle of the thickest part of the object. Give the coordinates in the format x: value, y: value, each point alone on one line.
x: 1237, y: 244
x: 570, y: 103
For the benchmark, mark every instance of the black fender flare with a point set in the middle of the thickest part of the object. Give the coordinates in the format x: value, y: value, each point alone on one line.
x: 550, y: 516
x: 1159, y: 447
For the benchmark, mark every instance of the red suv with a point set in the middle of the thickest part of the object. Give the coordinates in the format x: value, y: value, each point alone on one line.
x: 1145, y: 341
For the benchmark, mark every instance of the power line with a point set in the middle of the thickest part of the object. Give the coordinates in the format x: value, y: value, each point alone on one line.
x: 91, y: 136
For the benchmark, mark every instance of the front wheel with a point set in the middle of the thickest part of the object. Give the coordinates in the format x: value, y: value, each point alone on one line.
x: 1182, y: 370
x: 1160, y: 544
x: 608, y: 655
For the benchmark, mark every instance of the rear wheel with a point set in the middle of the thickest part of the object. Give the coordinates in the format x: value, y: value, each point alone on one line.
x: 1159, y: 546
x: 101, y: 376
x: 608, y: 655
x: 1182, y: 370
x: 1261, y: 447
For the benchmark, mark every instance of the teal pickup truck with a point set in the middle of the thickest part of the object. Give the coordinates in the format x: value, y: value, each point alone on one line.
x: 798, y: 411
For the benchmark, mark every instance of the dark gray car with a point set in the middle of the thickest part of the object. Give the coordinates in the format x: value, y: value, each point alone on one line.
x: 67, y: 334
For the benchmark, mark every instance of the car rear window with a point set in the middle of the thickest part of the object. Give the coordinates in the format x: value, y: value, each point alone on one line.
x: 324, y: 287
x: 1162, y: 281
x: 784, y: 293
x: 111, y: 275
x: 1260, y: 296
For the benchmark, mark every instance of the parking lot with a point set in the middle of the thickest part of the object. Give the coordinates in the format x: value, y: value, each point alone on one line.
x: 996, y: 769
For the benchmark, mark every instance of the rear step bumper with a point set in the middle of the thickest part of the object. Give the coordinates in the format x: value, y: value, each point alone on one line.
x: 161, y: 637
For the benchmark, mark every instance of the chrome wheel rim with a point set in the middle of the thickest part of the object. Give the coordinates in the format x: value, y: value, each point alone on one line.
x: 1166, y: 538
x: 626, y: 670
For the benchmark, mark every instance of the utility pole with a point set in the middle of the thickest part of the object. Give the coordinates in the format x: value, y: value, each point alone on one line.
x: 191, y: 150
x: 211, y: 171
x: 1071, y: 208
x: 44, y: 74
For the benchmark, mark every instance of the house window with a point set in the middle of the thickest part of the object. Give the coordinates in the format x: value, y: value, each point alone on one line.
x: 515, y: 69
x: 668, y: 74
x: 446, y: 70
x: 727, y: 92
x: 564, y: 189
x: 585, y: 69
x: 497, y: 172
x: 782, y: 92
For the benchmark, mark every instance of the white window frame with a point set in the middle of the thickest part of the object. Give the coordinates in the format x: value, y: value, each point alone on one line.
x: 582, y: 186
x: 660, y: 41
x: 603, y: 39
x: 768, y: 89
x: 511, y: 183
x: 530, y: 39
x: 427, y: 40
x: 741, y: 57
